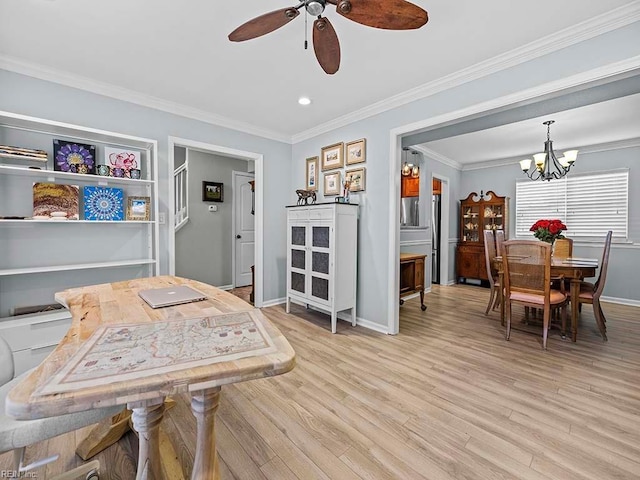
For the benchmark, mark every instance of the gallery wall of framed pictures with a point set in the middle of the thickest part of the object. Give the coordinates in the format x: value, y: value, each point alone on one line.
x: 333, y: 159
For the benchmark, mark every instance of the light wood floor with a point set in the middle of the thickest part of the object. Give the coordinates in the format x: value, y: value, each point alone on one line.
x: 447, y: 398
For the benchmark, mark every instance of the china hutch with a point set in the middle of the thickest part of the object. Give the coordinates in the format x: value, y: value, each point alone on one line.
x: 486, y: 211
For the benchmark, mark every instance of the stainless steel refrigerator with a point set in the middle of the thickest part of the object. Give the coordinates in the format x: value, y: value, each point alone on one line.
x: 409, y: 212
x: 436, y: 215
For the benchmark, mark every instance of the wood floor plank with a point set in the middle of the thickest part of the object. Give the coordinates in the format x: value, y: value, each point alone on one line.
x: 446, y: 399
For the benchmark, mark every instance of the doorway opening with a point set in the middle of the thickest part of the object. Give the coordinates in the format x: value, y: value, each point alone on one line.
x: 436, y: 228
x: 612, y: 81
x: 207, y: 246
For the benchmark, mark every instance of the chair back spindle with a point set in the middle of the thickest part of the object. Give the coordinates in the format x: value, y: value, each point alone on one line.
x: 499, y: 241
x: 602, y: 276
x: 563, y: 248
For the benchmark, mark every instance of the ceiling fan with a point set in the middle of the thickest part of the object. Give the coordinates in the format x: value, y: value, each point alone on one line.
x: 385, y: 14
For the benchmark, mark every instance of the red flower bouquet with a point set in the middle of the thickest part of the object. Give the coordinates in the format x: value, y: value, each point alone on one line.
x: 548, y: 230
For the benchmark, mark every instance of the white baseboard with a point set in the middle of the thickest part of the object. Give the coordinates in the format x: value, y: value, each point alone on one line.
x: 346, y: 316
x: 225, y: 287
x: 273, y: 303
x: 621, y: 301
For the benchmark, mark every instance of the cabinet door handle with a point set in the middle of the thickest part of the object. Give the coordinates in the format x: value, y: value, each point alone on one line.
x: 237, y: 236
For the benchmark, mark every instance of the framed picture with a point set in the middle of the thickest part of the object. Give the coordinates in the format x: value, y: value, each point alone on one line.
x: 212, y: 192
x: 332, y: 183
x: 356, y: 177
x: 333, y: 156
x: 356, y: 151
x: 312, y: 174
x: 74, y: 157
x: 51, y: 200
x: 103, y: 203
x: 122, y: 158
x: 139, y: 208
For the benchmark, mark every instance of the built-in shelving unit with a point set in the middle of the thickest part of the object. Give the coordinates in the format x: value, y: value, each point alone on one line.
x: 40, y: 257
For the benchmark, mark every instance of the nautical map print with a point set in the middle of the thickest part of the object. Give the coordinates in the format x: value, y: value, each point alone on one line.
x: 135, y: 351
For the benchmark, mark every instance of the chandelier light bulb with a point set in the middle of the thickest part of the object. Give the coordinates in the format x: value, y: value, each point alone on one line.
x: 525, y: 164
x: 571, y: 156
x: 539, y: 159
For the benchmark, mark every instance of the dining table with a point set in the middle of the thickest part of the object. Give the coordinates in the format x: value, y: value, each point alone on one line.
x: 574, y: 269
x: 120, y: 351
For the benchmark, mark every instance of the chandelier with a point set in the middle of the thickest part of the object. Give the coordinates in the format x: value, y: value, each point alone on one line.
x: 547, y: 166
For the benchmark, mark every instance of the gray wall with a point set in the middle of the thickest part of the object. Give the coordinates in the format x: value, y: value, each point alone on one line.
x: 373, y: 242
x: 624, y: 259
x: 38, y: 98
x: 30, y: 96
x: 204, y: 244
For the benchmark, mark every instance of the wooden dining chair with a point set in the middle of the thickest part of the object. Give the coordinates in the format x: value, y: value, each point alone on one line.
x: 492, y: 273
x: 590, y: 292
x: 563, y: 248
x: 527, y: 281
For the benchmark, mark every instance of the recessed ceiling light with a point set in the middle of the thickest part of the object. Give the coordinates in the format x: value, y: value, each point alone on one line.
x: 304, y: 100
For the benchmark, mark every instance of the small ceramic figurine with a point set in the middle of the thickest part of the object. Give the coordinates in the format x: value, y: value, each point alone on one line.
x: 345, y: 191
x: 305, y: 197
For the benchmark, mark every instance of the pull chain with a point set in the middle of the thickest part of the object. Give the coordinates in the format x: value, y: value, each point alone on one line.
x: 306, y: 29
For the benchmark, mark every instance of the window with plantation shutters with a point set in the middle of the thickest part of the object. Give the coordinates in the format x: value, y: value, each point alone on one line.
x: 589, y: 204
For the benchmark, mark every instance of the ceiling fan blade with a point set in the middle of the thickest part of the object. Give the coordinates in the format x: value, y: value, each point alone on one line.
x: 326, y: 45
x: 263, y: 24
x: 386, y: 14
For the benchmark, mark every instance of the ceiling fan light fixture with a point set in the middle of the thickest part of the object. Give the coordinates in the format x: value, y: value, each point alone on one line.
x: 315, y: 7
x: 304, y: 101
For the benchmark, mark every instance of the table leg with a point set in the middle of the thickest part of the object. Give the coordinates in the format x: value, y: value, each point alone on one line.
x: 575, y: 293
x: 204, y: 404
x: 147, y: 415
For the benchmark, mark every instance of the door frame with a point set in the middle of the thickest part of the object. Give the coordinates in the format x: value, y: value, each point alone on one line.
x: 234, y: 175
x: 601, y: 75
x: 445, y: 213
x: 258, y: 158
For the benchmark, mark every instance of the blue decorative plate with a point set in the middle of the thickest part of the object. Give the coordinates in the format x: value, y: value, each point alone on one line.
x: 103, y: 203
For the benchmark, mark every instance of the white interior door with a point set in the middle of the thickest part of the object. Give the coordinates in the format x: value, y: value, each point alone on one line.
x: 244, y: 234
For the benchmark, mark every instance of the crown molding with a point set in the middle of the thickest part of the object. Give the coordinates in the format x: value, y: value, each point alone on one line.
x: 599, y: 25
x: 433, y: 155
x: 594, y: 148
x: 119, y: 93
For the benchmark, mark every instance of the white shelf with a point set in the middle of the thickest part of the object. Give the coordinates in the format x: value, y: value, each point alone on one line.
x: 78, y: 266
x: 69, y: 222
x: 35, y: 318
x: 79, y: 177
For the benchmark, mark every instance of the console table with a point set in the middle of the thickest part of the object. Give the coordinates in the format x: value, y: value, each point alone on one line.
x: 412, y: 276
x: 119, y: 350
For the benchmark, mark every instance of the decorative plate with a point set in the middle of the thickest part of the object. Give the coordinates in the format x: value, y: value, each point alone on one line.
x: 103, y: 203
x: 73, y: 157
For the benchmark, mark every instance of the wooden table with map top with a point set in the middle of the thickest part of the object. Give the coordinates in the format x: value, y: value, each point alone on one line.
x: 119, y: 351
